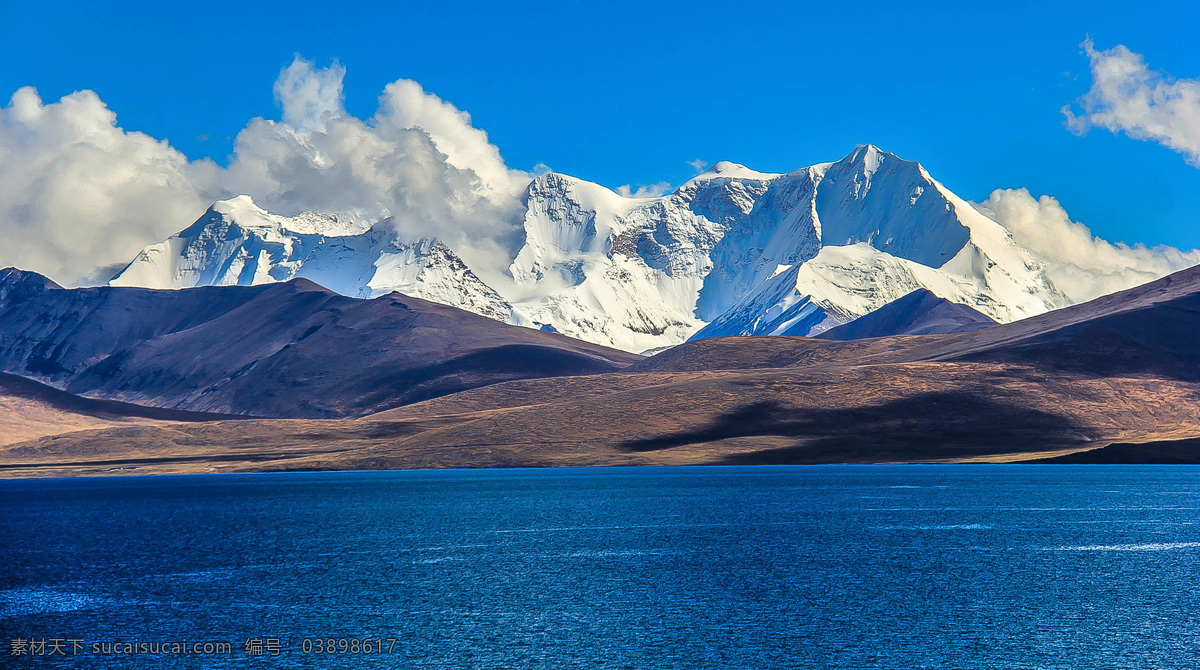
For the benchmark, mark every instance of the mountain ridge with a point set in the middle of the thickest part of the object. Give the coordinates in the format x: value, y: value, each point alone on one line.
x: 287, y: 349
x: 731, y: 251
x: 1119, y: 370
x: 236, y: 242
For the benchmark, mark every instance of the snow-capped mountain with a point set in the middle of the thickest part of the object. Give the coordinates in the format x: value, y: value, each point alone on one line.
x: 238, y: 243
x: 730, y: 252
x: 739, y: 252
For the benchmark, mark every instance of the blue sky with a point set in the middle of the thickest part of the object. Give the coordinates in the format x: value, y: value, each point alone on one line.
x: 628, y: 93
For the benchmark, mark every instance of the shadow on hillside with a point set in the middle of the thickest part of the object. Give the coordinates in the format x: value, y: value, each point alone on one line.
x: 501, y: 363
x: 1163, y: 452
x: 936, y: 425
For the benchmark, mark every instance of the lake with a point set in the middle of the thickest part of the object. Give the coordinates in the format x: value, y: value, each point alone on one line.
x: 705, y: 567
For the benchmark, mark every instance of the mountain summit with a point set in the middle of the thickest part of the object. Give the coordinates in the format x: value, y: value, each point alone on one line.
x: 732, y: 251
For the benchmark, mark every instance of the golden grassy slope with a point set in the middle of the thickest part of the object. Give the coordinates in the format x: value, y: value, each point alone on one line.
x: 908, y: 412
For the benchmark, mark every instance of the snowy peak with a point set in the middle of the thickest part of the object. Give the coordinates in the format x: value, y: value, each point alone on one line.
x: 877, y: 198
x: 237, y: 242
x: 735, y: 251
x: 560, y: 227
x: 869, y: 157
x: 243, y: 211
x: 428, y: 269
x: 732, y: 251
x: 731, y: 170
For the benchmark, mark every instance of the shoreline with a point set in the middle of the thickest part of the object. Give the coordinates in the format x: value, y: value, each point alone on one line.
x: 1159, y: 453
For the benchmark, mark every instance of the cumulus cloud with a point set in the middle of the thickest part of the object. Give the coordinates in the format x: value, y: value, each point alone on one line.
x: 78, y: 192
x: 406, y: 106
x: 1126, y: 95
x: 698, y: 165
x: 418, y: 160
x: 310, y: 97
x: 1080, y: 264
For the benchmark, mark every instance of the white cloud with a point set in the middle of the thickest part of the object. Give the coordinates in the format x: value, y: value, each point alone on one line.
x: 647, y: 191
x: 405, y: 106
x: 418, y: 160
x: 78, y: 192
x: 1128, y: 96
x: 310, y: 97
x: 698, y: 165
x: 1080, y: 264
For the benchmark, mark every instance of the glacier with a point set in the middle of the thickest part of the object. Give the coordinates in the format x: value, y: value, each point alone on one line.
x: 730, y: 252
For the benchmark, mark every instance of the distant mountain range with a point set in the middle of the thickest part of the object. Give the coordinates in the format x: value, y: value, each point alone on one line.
x: 905, y: 326
x: 398, y: 382
x: 730, y: 252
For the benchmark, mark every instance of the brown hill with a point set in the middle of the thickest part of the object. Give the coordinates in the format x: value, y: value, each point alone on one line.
x: 30, y: 410
x: 282, y: 350
x: 1121, y: 370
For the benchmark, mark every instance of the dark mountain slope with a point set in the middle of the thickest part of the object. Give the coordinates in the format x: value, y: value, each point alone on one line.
x: 1160, y: 452
x: 1147, y: 330
x: 55, y: 334
x: 28, y: 390
x: 1144, y: 330
x: 918, y: 313
x: 285, y: 350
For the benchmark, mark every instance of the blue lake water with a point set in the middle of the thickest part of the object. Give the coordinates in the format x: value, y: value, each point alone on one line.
x: 759, y: 567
